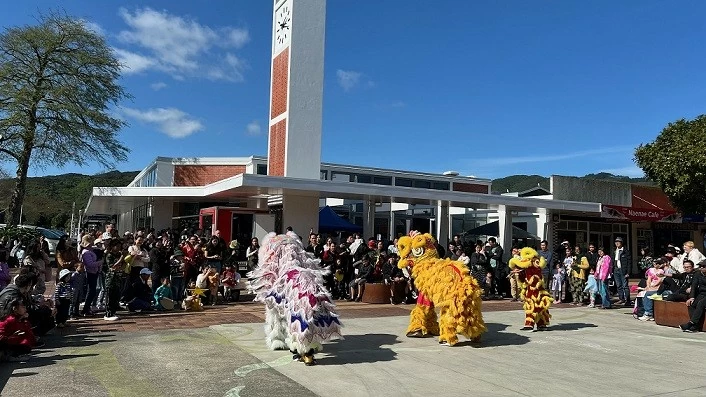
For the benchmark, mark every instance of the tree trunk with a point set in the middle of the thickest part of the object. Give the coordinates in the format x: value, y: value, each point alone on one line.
x: 18, y: 194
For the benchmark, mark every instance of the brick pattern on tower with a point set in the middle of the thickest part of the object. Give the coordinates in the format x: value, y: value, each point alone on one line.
x: 470, y: 188
x: 278, y: 141
x: 201, y: 175
x: 280, y: 80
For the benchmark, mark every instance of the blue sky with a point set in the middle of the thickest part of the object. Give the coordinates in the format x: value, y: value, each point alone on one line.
x: 485, y: 88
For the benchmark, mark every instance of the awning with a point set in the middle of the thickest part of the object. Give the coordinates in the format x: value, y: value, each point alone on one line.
x: 493, y: 229
x: 330, y: 221
x: 108, y: 200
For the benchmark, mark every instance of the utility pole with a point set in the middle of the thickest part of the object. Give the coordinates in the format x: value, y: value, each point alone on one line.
x: 22, y: 207
x: 71, y: 227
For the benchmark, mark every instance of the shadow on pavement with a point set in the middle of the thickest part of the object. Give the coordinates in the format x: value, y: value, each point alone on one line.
x: 496, y: 337
x: 358, y: 349
x: 570, y: 326
x: 39, y: 358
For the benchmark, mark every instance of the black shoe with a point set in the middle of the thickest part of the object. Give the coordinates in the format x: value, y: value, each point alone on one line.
x: 688, y: 327
x: 527, y: 328
x: 628, y: 304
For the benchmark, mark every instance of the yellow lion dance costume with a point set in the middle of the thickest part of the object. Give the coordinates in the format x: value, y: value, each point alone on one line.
x: 444, y: 283
x: 536, y: 299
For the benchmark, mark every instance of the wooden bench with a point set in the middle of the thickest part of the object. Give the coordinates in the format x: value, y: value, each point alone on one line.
x: 673, y: 314
x: 376, y: 293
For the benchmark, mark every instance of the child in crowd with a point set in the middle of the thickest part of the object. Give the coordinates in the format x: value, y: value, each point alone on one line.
x: 5, y: 278
x: 591, y: 287
x: 62, y: 298
x: 16, y: 336
x: 214, y: 281
x: 163, y: 296
x: 230, y: 281
x: 558, y: 282
x: 78, y: 285
x: 490, y: 287
x: 193, y: 301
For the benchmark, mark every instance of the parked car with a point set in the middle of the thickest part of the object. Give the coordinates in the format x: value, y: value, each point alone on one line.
x: 52, y: 237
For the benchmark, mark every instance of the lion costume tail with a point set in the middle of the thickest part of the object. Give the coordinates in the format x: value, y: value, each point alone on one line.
x: 466, y: 306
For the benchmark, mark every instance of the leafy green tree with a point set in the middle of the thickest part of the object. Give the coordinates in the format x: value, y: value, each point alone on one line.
x: 43, y: 220
x: 676, y: 161
x: 58, y: 83
x: 60, y: 220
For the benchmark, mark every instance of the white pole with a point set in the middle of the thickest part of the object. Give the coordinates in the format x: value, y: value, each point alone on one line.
x: 71, y: 226
x: 21, y: 211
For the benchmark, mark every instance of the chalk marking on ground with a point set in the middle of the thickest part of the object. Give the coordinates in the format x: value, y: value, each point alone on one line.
x: 234, y: 392
x: 246, y: 369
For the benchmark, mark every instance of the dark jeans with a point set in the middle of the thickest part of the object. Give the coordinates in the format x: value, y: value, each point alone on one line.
x: 62, y: 310
x: 696, y: 310
x: 112, y: 299
x: 139, y: 304
x: 621, y: 284
x: 677, y: 297
x: 178, y: 288
x: 92, y: 281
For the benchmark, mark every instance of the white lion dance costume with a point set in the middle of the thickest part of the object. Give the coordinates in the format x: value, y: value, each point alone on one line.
x: 299, y: 312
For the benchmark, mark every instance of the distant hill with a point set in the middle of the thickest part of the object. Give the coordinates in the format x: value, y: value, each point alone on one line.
x: 49, y: 198
x: 519, y: 183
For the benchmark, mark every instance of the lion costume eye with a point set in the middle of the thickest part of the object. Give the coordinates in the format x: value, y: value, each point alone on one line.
x: 418, y: 251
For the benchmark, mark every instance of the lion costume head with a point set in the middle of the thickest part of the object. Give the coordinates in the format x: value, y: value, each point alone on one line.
x: 528, y: 257
x: 414, y: 248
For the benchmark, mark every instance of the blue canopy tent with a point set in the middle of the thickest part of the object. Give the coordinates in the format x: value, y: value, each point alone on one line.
x: 329, y: 221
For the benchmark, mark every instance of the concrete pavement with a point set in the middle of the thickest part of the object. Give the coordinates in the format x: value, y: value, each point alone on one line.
x: 587, y: 351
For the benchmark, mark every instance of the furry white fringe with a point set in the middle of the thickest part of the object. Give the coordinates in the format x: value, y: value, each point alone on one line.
x: 299, y: 311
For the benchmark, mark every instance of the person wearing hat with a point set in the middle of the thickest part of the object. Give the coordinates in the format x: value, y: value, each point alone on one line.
x: 139, y: 295
x: 62, y: 298
x: 621, y: 271
x: 92, y: 267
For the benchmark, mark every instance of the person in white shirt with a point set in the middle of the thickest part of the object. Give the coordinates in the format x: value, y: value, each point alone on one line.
x: 692, y: 254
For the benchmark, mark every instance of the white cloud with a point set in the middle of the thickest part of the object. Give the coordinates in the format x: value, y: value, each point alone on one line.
x: 631, y: 171
x: 132, y: 62
x: 158, y: 85
x: 181, y: 46
x: 93, y: 27
x: 237, y: 37
x: 253, y: 128
x: 497, y: 161
x: 171, y: 121
x: 348, y: 79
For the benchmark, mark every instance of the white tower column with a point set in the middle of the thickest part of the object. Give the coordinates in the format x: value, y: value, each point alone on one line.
x: 505, y: 228
x: 296, y: 101
x: 442, y: 223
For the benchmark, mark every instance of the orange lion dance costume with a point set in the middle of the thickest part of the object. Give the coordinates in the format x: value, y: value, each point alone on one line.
x: 445, y: 284
x: 536, y: 299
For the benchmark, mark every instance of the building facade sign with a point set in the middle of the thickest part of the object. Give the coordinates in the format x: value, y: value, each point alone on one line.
x: 639, y: 214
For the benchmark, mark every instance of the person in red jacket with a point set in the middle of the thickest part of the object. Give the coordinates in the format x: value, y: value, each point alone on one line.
x: 16, y: 336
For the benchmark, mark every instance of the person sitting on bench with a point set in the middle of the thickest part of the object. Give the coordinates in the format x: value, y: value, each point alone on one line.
x: 697, y: 300
x: 680, y: 283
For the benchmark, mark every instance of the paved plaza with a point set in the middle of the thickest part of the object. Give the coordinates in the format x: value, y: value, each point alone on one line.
x: 587, y: 351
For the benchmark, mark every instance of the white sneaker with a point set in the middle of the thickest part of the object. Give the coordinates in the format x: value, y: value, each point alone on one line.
x: 111, y: 318
x: 644, y: 318
x: 591, y: 305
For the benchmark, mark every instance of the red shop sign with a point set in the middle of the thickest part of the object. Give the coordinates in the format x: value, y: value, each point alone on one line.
x: 639, y: 214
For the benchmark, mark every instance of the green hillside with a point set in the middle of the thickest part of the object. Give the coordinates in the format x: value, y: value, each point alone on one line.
x: 519, y: 183
x: 49, y: 198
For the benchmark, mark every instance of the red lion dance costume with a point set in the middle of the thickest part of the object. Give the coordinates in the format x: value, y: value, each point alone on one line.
x: 445, y: 284
x: 536, y: 299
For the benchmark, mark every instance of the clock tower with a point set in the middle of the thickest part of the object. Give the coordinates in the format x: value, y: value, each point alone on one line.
x: 296, y: 101
x: 297, y: 85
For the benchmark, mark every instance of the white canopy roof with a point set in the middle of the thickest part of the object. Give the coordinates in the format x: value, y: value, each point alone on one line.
x: 112, y: 200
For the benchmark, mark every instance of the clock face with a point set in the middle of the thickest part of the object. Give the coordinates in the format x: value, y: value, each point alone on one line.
x: 283, y: 26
